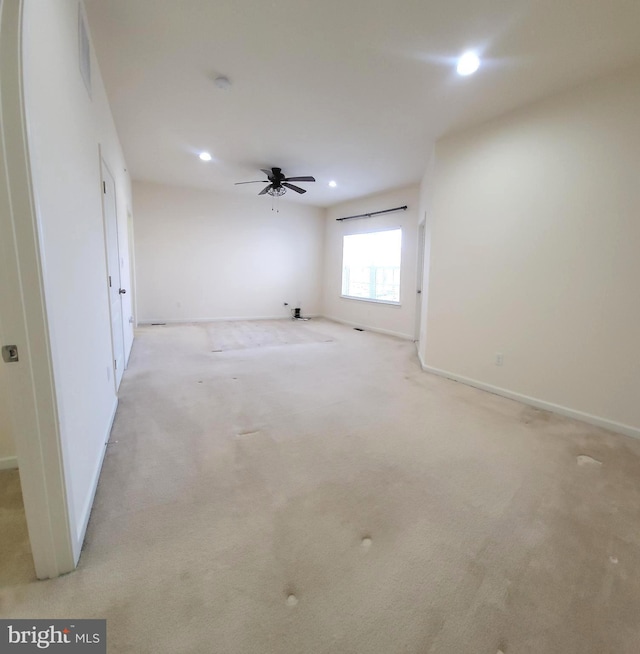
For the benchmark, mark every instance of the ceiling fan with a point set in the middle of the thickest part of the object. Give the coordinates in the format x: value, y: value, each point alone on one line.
x: 278, y: 183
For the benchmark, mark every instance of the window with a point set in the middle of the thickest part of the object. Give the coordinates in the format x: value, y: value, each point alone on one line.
x: 371, y: 266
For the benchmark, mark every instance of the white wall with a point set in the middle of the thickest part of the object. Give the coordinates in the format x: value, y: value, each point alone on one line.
x: 387, y: 318
x: 66, y: 129
x: 7, y: 446
x: 535, y: 252
x: 204, y: 255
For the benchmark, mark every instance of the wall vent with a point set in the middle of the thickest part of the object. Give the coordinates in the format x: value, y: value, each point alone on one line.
x: 84, y: 49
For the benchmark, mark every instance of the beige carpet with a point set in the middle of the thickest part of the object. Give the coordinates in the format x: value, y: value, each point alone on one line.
x: 241, y: 335
x: 329, y: 497
x: 16, y: 564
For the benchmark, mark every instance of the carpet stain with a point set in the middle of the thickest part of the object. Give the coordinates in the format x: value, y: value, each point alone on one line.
x: 250, y: 432
x: 531, y: 415
x: 585, y: 460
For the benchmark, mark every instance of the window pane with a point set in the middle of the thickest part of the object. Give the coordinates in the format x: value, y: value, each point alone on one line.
x: 371, y: 265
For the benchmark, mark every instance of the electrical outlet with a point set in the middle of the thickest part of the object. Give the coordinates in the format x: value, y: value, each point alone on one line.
x: 499, y: 359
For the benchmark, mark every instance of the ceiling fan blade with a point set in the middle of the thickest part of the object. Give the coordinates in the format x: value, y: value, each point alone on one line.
x: 255, y: 181
x: 297, y: 189
x: 308, y: 178
x: 267, y: 172
x: 264, y: 190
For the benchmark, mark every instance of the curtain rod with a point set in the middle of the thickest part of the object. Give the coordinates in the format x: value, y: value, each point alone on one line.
x: 373, y: 213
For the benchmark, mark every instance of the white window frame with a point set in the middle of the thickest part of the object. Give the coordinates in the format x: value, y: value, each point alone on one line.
x: 395, y: 303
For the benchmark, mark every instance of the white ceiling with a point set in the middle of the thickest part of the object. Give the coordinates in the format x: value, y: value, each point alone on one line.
x: 351, y: 90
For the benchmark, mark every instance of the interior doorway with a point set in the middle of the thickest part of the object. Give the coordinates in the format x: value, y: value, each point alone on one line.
x: 420, y: 280
x: 114, y: 277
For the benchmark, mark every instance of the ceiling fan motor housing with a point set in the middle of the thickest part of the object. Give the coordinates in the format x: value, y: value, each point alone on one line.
x: 278, y: 183
x: 276, y: 177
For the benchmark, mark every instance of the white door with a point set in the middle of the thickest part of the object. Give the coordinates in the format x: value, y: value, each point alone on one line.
x: 113, y: 272
x: 420, y: 281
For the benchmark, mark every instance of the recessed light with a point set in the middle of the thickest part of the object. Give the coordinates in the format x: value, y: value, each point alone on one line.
x: 468, y: 64
x: 205, y: 156
x: 332, y: 184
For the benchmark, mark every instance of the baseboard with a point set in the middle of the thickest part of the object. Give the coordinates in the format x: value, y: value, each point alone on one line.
x: 186, y: 321
x: 9, y: 463
x: 386, y: 332
x: 86, y: 511
x: 605, y: 423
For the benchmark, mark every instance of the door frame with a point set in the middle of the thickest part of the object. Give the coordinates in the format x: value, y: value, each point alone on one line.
x: 104, y: 166
x: 422, y: 232
x: 32, y: 394
x: 132, y: 273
